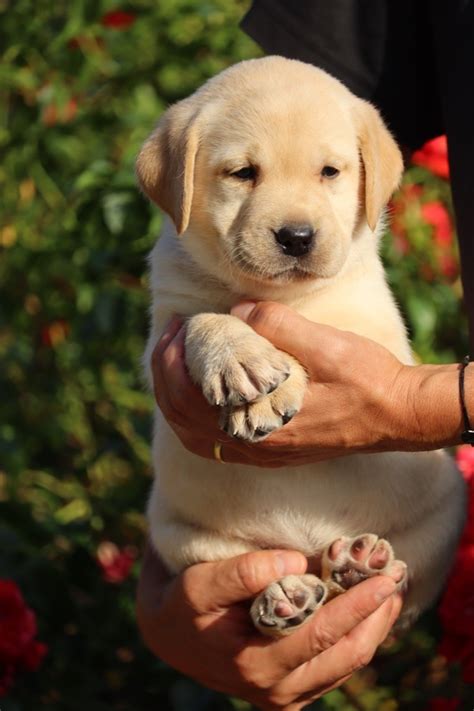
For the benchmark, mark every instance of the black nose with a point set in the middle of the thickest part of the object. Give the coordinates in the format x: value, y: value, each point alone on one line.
x: 295, y: 240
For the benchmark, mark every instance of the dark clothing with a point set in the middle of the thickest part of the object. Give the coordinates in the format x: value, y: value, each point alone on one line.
x: 414, y: 59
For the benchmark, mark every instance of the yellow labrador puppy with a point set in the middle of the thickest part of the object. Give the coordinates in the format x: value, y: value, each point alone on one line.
x: 275, y: 177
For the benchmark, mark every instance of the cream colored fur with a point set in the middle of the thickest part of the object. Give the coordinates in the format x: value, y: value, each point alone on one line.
x: 289, y: 120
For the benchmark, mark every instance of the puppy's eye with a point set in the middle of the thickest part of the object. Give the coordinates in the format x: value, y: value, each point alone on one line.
x: 329, y: 172
x: 247, y: 173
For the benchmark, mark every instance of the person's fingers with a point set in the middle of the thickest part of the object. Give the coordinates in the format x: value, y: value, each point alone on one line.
x: 332, y: 622
x: 175, y: 376
x: 153, y: 584
x: 171, y: 329
x: 351, y: 652
x: 153, y: 580
x: 286, y: 329
x: 215, y: 586
x: 160, y: 387
x: 235, y: 452
x: 180, y: 400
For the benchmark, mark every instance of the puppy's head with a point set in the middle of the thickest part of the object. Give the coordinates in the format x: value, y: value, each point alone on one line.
x: 269, y: 169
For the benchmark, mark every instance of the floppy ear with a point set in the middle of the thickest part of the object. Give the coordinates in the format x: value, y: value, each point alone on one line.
x: 383, y: 163
x: 165, y: 164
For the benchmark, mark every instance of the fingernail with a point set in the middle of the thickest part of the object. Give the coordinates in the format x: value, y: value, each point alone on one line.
x: 290, y: 563
x: 243, y: 310
x: 384, y: 590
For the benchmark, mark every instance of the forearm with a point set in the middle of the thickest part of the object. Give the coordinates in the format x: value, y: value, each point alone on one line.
x: 359, y: 398
x: 430, y: 409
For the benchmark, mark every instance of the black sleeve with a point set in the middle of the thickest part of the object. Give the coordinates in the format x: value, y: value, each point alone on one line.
x: 380, y: 49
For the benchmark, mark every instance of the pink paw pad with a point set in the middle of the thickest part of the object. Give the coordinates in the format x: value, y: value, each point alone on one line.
x: 336, y: 548
x: 287, y: 604
x: 348, y: 561
x: 282, y: 609
x: 380, y: 556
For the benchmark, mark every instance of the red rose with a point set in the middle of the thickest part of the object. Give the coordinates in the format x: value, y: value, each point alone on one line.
x: 435, y: 214
x: 411, y: 191
x: 34, y: 655
x: 118, y: 20
x: 448, y: 265
x: 115, y: 563
x: 55, y: 333
x: 441, y: 704
x: 17, y: 622
x: 18, y: 647
x: 408, y: 193
x: 467, y: 665
x: 427, y: 272
x: 452, y: 647
x: 460, y: 650
x: 434, y: 156
x: 457, y: 606
x: 7, y: 677
x: 465, y: 460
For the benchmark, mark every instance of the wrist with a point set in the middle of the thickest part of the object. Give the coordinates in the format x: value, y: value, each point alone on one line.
x: 432, y: 415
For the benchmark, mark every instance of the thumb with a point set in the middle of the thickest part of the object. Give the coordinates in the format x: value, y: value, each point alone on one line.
x: 213, y: 586
x: 282, y: 326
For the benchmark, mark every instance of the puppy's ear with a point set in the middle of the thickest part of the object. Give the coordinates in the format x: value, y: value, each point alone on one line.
x: 165, y: 164
x: 383, y: 163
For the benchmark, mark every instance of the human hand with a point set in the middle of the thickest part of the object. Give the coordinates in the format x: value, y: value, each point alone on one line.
x: 199, y: 623
x: 357, y: 398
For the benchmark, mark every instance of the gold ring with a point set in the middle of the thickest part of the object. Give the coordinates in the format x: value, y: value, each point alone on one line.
x: 218, y: 452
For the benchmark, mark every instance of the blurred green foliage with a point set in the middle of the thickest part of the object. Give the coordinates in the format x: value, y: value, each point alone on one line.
x: 422, y: 264
x: 80, y: 91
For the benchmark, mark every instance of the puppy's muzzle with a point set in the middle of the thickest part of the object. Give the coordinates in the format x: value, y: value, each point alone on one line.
x: 295, y: 240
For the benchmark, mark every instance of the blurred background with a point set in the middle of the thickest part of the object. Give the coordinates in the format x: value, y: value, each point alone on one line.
x: 82, y: 83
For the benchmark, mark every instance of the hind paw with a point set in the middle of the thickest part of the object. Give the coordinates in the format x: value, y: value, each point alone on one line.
x: 287, y: 604
x: 348, y: 561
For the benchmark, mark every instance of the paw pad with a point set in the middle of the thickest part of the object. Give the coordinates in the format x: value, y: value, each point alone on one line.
x: 348, y: 561
x: 287, y: 604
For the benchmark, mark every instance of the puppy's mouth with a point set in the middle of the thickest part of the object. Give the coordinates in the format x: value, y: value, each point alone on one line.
x: 295, y: 271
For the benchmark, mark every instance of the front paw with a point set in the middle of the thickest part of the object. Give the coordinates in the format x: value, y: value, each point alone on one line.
x: 254, y: 421
x: 230, y: 362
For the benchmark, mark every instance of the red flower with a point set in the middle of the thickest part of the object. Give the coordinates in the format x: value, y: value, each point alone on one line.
x: 448, y: 265
x: 34, y: 655
x: 403, y: 201
x: 465, y: 460
x: 118, y: 20
x: 18, y: 648
x: 411, y: 191
x: 459, y: 649
x: 7, y: 677
x: 52, y: 114
x: 408, y: 193
x: 441, y: 704
x: 427, y: 272
x: 457, y: 606
x: 435, y: 214
x: 55, y: 333
x: 434, y: 156
x: 115, y: 563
